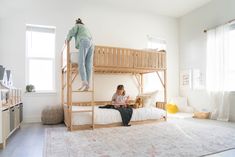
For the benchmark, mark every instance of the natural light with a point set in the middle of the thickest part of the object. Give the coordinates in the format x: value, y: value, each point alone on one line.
x: 40, y: 74
x: 220, y: 58
x: 152, y: 81
x: 40, y: 57
x: 41, y: 44
x: 156, y: 43
x: 230, y: 79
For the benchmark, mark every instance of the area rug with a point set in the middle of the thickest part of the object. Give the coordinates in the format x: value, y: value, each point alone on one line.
x: 180, y: 138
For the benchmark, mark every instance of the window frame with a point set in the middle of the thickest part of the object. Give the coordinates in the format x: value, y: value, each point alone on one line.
x: 29, y: 58
x: 155, y: 40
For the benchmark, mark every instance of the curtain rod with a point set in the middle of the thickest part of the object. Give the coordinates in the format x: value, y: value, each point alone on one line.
x: 218, y: 25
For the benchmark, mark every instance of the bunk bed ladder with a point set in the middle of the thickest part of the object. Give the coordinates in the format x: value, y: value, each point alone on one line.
x: 67, y: 80
x: 91, y: 102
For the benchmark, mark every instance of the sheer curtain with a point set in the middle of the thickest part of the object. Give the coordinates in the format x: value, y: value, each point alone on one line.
x: 217, y: 71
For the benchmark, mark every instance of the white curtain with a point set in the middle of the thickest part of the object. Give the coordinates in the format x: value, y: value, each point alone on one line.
x: 217, y: 71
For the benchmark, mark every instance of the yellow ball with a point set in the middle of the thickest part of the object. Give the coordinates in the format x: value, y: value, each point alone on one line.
x: 172, y: 108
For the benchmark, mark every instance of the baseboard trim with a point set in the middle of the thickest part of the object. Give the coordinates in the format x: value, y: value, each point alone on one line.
x: 30, y: 119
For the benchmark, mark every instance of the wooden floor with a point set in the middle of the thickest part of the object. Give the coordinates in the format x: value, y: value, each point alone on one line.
x: 28, y: 142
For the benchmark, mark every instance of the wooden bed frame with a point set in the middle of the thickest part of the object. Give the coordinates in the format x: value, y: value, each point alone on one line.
x: 109, y: 60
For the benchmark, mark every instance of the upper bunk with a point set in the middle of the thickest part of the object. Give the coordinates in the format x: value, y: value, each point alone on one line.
x: 120, y: 60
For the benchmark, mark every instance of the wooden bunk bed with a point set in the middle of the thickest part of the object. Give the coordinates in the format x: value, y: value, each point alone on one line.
x: 109, y: 60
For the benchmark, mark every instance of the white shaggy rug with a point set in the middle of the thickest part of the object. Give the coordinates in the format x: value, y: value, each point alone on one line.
x: 175, y: 138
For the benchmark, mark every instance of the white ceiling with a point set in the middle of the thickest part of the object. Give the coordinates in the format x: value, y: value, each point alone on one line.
x: 172, y: 8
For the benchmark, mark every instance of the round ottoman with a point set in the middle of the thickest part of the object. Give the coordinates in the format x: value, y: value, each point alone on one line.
x: 53, y: 114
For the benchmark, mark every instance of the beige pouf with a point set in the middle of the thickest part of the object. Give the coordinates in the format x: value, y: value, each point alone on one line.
x: 53, y: 114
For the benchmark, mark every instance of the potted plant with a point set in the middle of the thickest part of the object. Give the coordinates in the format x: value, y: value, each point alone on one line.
x: 30, y: 88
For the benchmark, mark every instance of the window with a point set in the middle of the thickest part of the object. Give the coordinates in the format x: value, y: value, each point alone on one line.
x: 220, y: 58
x: 156, y: 43
x: 151, y: 79
x: 230, y: 85
x: 40, y: 57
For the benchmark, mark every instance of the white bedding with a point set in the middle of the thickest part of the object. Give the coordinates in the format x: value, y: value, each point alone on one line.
x: 108, y: 116
x: 74, y: 57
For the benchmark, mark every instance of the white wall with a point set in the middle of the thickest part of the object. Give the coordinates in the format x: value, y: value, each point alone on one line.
x: 1, y: 130
x: 192, y: 43
x: 109, y: 26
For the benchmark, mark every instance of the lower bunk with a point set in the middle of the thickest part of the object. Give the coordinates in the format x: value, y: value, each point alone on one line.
x: 111, y: 117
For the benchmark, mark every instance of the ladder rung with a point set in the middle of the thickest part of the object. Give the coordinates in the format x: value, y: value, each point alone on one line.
x: 80, y: 103
x: 72, y: 70
x: 82, y: 91
x: 82, y: 111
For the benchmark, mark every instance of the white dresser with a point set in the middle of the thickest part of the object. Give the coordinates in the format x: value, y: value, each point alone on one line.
x: 11, y: 113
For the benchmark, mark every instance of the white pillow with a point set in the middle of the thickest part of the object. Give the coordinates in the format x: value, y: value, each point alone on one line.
x: 182, y: 104
x: 149, y: 99
x: 145, y: 98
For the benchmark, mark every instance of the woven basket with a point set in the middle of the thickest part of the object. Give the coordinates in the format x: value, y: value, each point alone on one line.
x: 201, y: 115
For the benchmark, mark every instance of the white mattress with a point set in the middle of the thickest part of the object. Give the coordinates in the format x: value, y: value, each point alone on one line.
x: 74, y: 57
x: 180, y: 115
x: 108, y: 116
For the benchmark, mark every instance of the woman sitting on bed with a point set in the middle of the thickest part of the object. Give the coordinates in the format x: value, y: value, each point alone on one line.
x: 119, y: 98
x: 119, y: 102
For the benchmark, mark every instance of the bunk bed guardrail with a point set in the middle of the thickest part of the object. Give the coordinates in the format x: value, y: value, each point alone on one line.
x: 123, y: 60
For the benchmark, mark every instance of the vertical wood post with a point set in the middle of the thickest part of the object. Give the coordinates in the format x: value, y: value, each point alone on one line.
x: 92, y: 103
x: 69, y: 90
x: 141, y: 83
